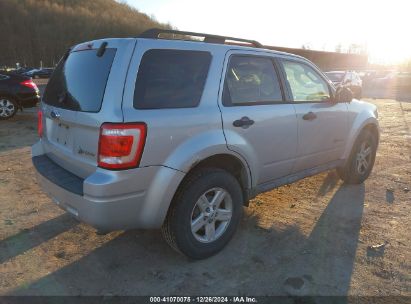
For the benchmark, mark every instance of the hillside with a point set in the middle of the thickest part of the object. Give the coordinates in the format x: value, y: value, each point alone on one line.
x: 34, y: 30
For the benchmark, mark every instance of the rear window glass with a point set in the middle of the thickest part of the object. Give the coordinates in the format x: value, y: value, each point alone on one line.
x: 171, y: 79
x: 78, y: 83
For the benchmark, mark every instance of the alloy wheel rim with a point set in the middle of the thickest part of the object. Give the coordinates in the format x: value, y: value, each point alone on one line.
x: 7, y: 108
x: 211, y: 215
x: 363, y: 158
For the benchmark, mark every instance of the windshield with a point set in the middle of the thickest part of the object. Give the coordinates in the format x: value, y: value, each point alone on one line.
x: 335, y: 76
x: 78, y: 82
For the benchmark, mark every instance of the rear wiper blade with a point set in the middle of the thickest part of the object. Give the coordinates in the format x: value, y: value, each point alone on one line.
x: 102, y: 49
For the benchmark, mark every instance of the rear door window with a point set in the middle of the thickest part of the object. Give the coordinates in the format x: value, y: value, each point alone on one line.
x: 171, y: 79
x: 79, y: 81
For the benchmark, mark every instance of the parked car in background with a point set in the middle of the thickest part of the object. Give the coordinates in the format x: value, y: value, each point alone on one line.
x: 182, y: 134
x: 349, y: 79
x: 40, y: 73
x: 396, y: 80
x: 30, y: 72
x: 22, y: 70
x: 16, y: 92
x: 367, y: 76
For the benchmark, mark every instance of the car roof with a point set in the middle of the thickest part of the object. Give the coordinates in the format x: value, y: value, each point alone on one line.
x: 183, y: 44
x: 209, y: 42
x: 214, y: 46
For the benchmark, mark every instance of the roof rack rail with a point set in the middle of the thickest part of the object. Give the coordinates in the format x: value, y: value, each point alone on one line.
x: 154, y: 33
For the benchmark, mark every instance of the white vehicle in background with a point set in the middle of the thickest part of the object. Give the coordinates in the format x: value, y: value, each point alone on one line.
x: 348, y: 79
x: 394, y: 80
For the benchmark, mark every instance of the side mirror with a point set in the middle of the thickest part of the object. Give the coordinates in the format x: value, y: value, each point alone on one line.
x: 343, y: 94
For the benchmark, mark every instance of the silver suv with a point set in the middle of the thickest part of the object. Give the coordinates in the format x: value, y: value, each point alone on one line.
x: 154, y: 132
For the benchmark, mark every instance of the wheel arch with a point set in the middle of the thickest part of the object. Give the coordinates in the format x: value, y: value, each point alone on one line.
x: 233, y: 164
x: 370, y: 124
x: 11, y: 96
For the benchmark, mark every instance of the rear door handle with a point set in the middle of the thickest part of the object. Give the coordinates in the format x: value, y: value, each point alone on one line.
x: 244, y: 122
x: 309, y: 116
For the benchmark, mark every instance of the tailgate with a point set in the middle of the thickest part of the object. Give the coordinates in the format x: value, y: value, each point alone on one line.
x: 85, y: 90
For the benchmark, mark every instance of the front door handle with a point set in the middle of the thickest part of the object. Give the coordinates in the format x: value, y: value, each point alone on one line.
x: 244, y: 122
x: 309, y: 116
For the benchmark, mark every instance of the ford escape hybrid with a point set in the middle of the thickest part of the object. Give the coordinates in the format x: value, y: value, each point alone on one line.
x: 154, y: 132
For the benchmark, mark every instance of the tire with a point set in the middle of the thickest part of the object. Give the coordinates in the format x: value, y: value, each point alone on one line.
x: 187, y: 211
x: 354, y: 172
x: 8, y: 108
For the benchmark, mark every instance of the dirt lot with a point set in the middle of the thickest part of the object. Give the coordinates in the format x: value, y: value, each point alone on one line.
x: 310, y: 238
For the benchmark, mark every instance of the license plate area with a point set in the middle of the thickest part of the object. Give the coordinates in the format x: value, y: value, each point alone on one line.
x: 62, y: 135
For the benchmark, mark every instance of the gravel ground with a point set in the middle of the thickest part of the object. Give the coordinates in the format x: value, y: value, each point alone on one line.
x: 315, y: 237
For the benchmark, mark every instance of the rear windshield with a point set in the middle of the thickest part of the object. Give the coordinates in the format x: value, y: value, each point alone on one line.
x: 78, y: 82
x: 171, y: 79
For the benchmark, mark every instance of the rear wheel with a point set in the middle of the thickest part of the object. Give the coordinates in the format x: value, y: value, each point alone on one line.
x: 361, y: 160
x: 204, y: 213
x: 8, y: 108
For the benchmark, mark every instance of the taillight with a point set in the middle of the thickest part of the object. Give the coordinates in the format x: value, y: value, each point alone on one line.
x: 30, y: 84
x: 121, y: 145
x: 40, y: 123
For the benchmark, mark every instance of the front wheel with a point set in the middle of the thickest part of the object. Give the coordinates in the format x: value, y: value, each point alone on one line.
x: 361, y: 160
x: 204, y: 214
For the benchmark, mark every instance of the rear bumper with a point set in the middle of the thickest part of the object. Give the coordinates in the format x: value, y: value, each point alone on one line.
x: 110, y: 200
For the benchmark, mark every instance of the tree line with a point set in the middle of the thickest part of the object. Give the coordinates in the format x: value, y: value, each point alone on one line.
x: 34, y: 31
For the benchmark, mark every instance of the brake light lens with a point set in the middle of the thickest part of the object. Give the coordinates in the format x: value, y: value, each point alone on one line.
x: 30, y: 84
x: 40, y: 123
x: 121, y: 145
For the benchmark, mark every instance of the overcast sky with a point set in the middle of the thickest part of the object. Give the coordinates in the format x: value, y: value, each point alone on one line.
x: 381, y: 26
